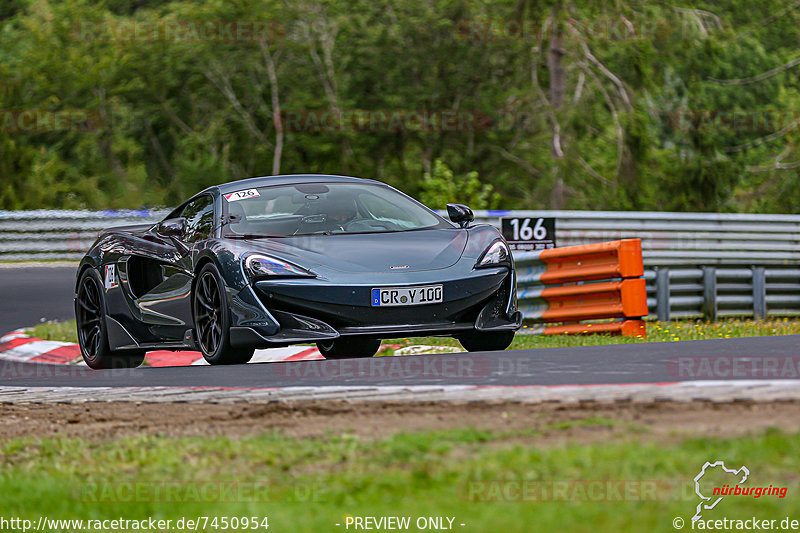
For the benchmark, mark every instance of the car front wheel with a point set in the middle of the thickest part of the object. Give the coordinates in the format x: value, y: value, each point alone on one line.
x: 212, y: 320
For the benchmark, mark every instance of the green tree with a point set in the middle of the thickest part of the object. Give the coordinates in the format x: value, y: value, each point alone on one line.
x: 441, y: 187
x: 632, y: 104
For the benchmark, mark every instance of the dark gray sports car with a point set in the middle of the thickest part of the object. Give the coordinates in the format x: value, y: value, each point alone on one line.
x: 265, y: 262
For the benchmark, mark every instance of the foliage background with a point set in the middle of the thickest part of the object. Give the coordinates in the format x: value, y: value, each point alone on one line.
x: 624, y: 104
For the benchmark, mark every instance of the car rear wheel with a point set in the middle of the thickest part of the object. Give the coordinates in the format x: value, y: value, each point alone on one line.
x: 212, y: 320
x: 486, y: 341
x: 342, y: 348
x: 91, y: 324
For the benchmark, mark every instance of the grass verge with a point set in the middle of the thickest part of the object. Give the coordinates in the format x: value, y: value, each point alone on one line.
x: 56, y: 331
x: 656, y: 332
x: 312, y: 484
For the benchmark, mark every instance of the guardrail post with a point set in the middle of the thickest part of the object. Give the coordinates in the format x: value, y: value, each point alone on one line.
x: 662, y: 294
x: 759, y: 293
x: 709, y: 309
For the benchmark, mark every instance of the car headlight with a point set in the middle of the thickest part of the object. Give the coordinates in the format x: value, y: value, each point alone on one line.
x: 496, y: 254
x: 257, y: 265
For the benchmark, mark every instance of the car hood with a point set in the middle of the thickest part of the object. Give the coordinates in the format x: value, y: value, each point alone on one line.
x: 134, y: 229
x: 405, y: 251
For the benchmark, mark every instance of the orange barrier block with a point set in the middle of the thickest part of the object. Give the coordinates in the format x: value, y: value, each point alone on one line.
x: 608, y: 299
x: 615, y: 259
x: 582, y: 294
x: 628, y: 328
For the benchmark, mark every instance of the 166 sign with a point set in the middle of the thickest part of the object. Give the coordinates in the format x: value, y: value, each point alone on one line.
x: 527, y: 234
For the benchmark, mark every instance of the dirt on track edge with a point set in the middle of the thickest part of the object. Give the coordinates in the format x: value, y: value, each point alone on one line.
x: 545, y: 423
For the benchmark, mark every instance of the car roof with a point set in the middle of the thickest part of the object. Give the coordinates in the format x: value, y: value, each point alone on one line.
x: 286, y: 179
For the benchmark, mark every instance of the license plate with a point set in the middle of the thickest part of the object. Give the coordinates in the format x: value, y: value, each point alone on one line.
x: 400, y: 296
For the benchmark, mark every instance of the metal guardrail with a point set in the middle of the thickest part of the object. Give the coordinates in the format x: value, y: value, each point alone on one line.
x: 61, y: 235
x: 698, y: 265
x: 679, y: 238
x: 755, y: 258
x: 667, y: 238
x: 711, y: 292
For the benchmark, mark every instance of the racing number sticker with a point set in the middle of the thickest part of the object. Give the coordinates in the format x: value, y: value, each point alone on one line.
x: 111, y: 277
x: 242, y: 195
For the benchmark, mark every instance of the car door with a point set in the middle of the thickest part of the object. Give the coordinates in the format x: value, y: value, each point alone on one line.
x: 166, y: 306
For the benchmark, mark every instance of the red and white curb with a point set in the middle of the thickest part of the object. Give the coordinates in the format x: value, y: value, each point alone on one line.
x: 19, y: 346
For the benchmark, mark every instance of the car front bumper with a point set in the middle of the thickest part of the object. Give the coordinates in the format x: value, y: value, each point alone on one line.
x: 311, y: 310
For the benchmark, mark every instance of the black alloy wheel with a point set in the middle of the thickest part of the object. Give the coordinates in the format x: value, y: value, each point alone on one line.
x: 207, y: 313
x: 92, y: 334
x: 212, y: 320
x: 89, y: 316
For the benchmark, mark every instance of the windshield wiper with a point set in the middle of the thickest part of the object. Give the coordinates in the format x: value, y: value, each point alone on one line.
x: 252, y: 236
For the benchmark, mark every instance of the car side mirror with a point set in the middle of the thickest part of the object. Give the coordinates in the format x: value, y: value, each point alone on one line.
x: 460, y: 214
x: 173, y: 228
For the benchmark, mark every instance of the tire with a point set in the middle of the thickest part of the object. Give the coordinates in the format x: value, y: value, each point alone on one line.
x: 487, y: 342
x: 90, y: 317
x: 212, y: 320
x: 345, y: 347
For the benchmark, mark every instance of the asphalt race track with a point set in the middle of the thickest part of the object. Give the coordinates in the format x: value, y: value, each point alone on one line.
x: 30, y: 294
x: 723, y: 359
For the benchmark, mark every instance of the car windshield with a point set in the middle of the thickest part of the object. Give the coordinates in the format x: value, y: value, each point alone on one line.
x: 324, y: 208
